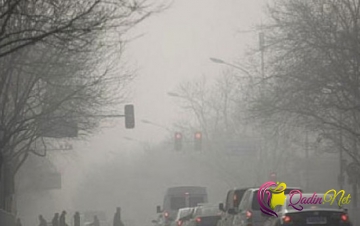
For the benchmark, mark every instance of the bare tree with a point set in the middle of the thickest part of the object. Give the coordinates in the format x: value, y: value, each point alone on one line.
x: 313, y: 71
x: 53, y: 73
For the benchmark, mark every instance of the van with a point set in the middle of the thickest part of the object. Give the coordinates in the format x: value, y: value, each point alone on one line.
x: 181, y: 197
x: 232, y: 201
x: 249, y: 213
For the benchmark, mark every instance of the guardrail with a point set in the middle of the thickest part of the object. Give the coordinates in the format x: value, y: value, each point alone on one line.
x: 7, y: 219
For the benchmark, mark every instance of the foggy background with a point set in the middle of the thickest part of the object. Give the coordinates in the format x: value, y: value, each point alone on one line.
x: 106, y: 170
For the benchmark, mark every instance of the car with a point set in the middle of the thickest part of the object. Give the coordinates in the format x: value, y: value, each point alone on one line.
x: 248, y: 212
x: 232, y: 201
x: 184, y: 214
x: 311, y: 214
x: 207, y: 215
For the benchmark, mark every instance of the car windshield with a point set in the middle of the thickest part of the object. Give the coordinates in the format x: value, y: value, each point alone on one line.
x: 238, y: 196
x: 315, y: 202
x: 207, y: 211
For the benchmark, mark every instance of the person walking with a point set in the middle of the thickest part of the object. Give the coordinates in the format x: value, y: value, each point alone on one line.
x: 96, y: 221
x: 55, y: 220
x: 117, y: 218
x: 18, y: 222
x: 62, y: 219
x: 42, y: 221
x: 77, y: 219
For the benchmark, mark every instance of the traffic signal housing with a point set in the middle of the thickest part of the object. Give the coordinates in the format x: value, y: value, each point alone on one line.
x: 198, y: 141
x: 273, y: 177
x: 129, y: 116
x: 178, y: 141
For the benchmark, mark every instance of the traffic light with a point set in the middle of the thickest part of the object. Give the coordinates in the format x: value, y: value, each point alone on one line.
x: 273, y: 177
x: 129, y: 116
x: 178, y: 141
x: 198, y: 141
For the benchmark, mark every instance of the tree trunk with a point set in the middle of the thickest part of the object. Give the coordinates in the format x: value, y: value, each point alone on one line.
x: 7, y: 188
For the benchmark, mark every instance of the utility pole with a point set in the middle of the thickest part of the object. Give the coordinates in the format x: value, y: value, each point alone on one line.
x: 307, y: 157
x: 262, y: 50
x: 355, y: 182
x: 341, y: 162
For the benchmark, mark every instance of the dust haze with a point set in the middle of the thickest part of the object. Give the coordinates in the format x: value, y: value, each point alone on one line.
x: 175, y: 80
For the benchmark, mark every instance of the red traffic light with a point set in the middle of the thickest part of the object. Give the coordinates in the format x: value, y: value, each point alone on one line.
x: 198, y: 135
x: 178, y: 136
x: 178, y: 141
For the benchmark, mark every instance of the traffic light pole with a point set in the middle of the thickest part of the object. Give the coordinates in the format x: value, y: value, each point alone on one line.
x: 129, y: 116
x: 108, y: 116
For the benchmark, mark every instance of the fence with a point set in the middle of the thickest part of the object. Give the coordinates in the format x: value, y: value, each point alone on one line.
x: 7, y: 219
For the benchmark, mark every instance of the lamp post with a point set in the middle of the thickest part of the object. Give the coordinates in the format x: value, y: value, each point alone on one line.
x: 174, y: 95
x: 219, y: 61
x: 155, y: 124
x: 2, y: 133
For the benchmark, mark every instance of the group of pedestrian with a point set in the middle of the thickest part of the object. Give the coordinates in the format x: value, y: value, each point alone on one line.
x: 60, y: 220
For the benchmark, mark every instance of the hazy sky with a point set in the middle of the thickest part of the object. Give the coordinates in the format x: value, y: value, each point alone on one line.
x: 176, y: 46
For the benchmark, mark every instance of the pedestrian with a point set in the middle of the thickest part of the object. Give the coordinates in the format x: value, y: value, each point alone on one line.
x: 96, y: 221
x: 42, y: 221
x: 117, y: 218
x: 62, y: 219
x: 18, y: 222
x: 55, y: 220
x: 77, y: 219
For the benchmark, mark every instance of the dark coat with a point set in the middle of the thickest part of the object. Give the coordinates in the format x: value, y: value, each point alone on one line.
x: 77, y: 219
x: 55, y: 220
x: 117, y: 220
x: 62, y: 220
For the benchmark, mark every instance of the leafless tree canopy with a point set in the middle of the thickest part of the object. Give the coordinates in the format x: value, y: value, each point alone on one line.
x: 313, y: 69
x: 60, y: 69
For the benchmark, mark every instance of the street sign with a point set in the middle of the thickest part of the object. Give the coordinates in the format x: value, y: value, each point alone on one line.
x: 241, y: 147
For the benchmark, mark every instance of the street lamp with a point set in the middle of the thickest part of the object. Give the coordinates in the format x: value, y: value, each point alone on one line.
x: 173, y: 94
x: 155, y: 124
x: 146, y: 121
x: 219, y: 61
